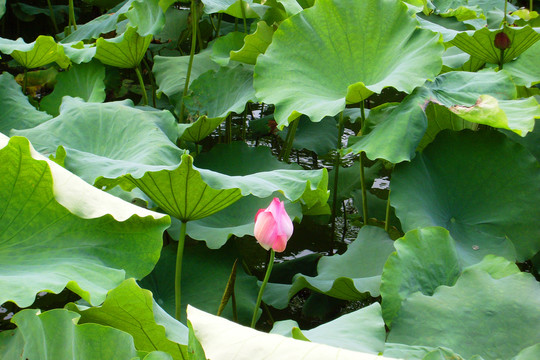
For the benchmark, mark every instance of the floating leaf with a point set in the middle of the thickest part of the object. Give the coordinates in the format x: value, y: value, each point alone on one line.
x: 444, y: 186
x: 242, y: 342
x: 84, y: 81
x: 44, y: 50
x: 124, y: 51
x: 254, y: 44
x: 355, y: 273
x: 132, y: 310
x: 462, y: 317
x: 21, y: 114
x: 294, y: 73
x: 60, y: 233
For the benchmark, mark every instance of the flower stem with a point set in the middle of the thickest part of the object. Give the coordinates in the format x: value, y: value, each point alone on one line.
x: 194, y: 21
x: 141, y: 83
x: 286, y: 152
x: 261, y: 290
x: 178, y: 272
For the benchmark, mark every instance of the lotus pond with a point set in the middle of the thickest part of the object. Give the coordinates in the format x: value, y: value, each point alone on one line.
x: 148, y: 149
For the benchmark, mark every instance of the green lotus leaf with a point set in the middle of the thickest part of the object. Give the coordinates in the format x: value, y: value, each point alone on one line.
x: 399, y: 130
x: 78, y: 52
x: 481, y: 44
x: 237, y: 220
x: 351, y: 275
x: 147, y: 16
x: 444, y: 187
x: 55, y: 334
x: 44, y: 50
x: 242, y: 342
x: 200, y: 129
x: 361, y: 330
x: 100, y: 25
x: 204, y: 277
x: 320, y: 138
x: 516, y: 115
x: 254, y: 44
x: 21, y: 114
x: 108, y: 140
x: 447, y: 27
x: 217, y: 94
x: 234, y: 8
x: 222, y: 47
x: 85, y: 81
x: 60, y: 233
x: 124, y: 51
x: 424, y: 260
x: 189, y: 193
x: 176, y: 21
x: 2, y: 7
x: 524, y: 70
x: 132, y: 310
x: 170, y: 73
x: 532, y: 352
x: 345, y: 65
x: 510, y: 302
x: 349, y: 179
x: 440, y: 118
x: 531, y: 141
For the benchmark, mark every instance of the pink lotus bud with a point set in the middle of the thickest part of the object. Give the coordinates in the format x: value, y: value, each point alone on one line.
x: 273, y: 226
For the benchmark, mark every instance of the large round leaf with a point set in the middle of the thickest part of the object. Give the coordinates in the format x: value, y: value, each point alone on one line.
x: 337, y: 53
x: 44, y: 50
x: 58, y: 231
x: 108, y: 140
x: 481, y: 186
x: 223, y: 340
x: 477, y: 316
x: 123, y: 51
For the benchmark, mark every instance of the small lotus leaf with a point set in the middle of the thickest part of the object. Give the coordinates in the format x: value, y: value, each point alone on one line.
x: 308, y: 70
x: 481, y: 44
x: 55, y: 334
x: 60, y: 233
x: 254, y: 44
x: 84, y: 81
x: 21, y: 114
x: 44, y: 50
x: 132, y: 310
x: 444, y: 186
x: 124, y: 51
x: 357, y: 272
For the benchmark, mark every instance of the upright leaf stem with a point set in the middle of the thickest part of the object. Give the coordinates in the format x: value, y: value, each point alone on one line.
x: 261, y: 290
x: 53, y: 18
x: 387, y: 217
x: 25, y: 81
x: 178, y: 272
x: 141, y: 83
x: 286, y: 151
x: 337, y: 161
x: 72, y: 15
x: 244, y: 16
x: 362, y: 177
x: 194, y: 21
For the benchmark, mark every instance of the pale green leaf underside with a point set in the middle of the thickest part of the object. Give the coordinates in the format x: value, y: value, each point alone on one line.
x: 254, y: 44
x: 124, y: 51
x: 242, y: 342
x: 44, y: 50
